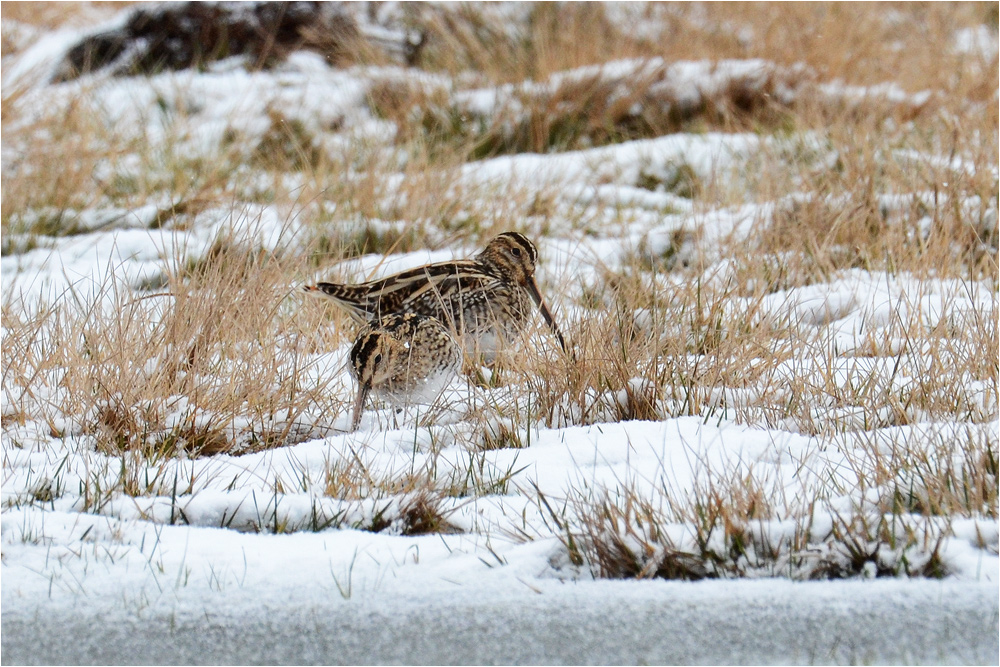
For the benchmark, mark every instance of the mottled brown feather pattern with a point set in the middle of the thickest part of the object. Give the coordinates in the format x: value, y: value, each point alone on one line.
x: 404, y: 359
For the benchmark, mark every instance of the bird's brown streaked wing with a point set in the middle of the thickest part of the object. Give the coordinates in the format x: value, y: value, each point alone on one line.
x: 443, y: 299
x: 408, y: 290
x: 348, y: 297
x: 407, y: 281
x: 386, y: 295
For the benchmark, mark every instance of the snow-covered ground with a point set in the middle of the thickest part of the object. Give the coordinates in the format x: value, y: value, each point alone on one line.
x: 262, y: 556
x: 505, y: 622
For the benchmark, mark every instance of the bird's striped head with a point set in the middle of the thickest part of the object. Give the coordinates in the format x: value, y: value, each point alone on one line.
x: 510, y: 256
x: 379, y: 352
x: 376, y: 357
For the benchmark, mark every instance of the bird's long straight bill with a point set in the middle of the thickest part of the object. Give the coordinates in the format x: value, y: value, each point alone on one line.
x: 359, y: 404
x: 546, y: 315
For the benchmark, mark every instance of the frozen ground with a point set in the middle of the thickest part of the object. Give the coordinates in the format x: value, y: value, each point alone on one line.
x: 271, y: 567
x: 761, y: 622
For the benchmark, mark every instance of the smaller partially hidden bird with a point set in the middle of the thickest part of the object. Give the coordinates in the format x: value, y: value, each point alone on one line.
x: 405, y: 359
x: 486, y: 301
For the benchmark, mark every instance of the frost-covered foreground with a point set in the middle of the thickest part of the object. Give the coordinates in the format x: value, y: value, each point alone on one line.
x: 503, y: 621
x: 850, y: 444
x: 201, y: 593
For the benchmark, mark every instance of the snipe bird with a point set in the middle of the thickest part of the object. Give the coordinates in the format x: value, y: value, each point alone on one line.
x: 404, y: 359
x: 486, y: 300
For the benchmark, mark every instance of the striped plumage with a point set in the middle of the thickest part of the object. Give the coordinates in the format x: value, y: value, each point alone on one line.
x: 485, y: 299
x: 404, y: 359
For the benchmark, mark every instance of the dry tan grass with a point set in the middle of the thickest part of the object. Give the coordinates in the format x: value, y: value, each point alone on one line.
x: 724, y: 526
x: 60, y: 14
x: 212, y: 364
x: 859, y: 43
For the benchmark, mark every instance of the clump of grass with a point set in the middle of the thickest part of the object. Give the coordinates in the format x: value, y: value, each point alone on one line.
x: 423, y: 513
x: 213, y: 365
x: 66, y: 185
x: 942, y: 473
x: 287, y: 145
x: 642, y: 355
x: 400, y: 99
x: 502, y: 434
x: 417, y: 501
x: 587, y: 108
x: 679, y: 179
x: 382, y: 239
x: 726, y: 527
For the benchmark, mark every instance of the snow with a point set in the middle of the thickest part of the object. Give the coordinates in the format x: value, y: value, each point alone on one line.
x: 122, y: 551
x: 524, y: 623
x: 979, y: 41
x: 38, y: 63
x: 268, y: 555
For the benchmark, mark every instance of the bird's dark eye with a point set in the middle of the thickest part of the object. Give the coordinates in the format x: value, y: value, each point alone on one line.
x: 516, y: 252
x: 378, y: 358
